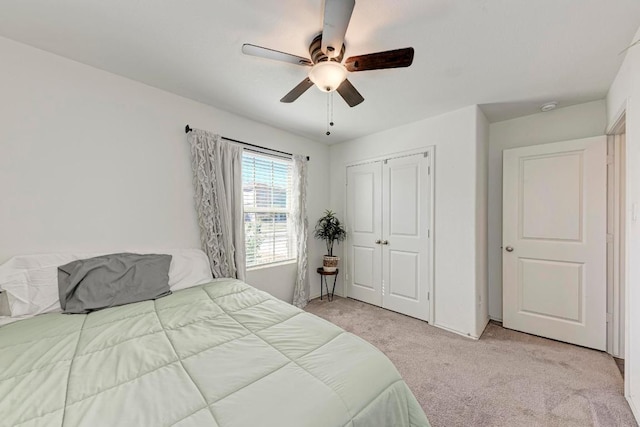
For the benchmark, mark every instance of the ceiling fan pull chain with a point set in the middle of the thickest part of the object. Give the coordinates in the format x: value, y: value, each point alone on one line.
x: 328, y: 112
x: 331, y: 121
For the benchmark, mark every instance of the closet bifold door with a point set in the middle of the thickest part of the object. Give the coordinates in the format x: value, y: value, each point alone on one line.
x: 364, y: 223
x: 405, y: 241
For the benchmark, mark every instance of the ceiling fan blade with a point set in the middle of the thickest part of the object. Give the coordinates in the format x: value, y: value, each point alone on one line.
x: 297, y: 91
x: 380, y: 60
x: 263, y: 52
x: 337, y: 14
x: 349, y: 93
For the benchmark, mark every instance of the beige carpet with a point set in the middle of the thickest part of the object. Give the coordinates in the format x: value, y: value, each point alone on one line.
x: 506, y: 378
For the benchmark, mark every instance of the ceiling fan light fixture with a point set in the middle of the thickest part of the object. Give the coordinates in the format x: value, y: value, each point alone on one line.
x: 328, y: 75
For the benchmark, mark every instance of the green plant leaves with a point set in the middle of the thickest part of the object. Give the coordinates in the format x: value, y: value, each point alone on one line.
x: 329, y: 229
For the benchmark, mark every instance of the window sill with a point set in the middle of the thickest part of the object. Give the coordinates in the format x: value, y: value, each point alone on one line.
x: 273, y: 264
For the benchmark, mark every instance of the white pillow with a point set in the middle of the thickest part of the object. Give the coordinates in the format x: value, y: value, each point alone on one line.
x: 31, y: 281
x: 32, y: 291
x: 189, y: 267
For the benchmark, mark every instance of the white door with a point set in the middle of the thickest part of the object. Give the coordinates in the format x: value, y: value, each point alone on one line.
x: 554, y: 241
x: 405, y: 244
x: 364, y: 228
x: 388, y: 219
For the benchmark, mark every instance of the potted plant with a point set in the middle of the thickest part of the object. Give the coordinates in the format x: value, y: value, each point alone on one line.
x: 329, y: 229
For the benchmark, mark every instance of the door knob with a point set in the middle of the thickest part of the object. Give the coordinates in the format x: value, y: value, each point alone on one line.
x: 378, y: 241
x: 385, y: 242
x: 509, y: 249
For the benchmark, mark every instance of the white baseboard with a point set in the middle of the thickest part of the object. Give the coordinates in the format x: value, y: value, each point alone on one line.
x: 496, y: 319
x: 314, y: 296
x: 449, y: 329
x: 437, y: 325
x: 634, y: 408
x: 317, y: 295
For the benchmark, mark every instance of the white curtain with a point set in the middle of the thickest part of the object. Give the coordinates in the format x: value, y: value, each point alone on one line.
x: 300, y: 291
x: 217, y: 178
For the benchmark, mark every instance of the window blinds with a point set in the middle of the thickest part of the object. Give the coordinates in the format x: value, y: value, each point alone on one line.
x: 267, y: 192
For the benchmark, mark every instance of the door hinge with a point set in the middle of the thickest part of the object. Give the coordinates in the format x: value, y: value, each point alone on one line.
x: 609, y: 318
x: 428, y: 234
x: 385, y: 161
x: 428, y: 170
x: 428, y: 296
x: 426, y: 154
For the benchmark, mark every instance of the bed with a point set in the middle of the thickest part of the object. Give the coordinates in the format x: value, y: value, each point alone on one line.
x: 220, y: 354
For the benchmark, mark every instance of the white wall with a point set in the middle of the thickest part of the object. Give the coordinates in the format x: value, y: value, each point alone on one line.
x: 454, y: 137
x: 93, y: 161
x: 578, y: 121
x: 624, y: 94
x: 482, y: 210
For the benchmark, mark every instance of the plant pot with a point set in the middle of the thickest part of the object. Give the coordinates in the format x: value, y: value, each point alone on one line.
x: 330, y: 263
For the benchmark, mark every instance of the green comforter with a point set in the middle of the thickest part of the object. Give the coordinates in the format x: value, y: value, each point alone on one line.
x: 222, y: 354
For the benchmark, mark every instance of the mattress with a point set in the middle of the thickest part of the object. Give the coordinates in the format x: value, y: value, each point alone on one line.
x: 222, y: 354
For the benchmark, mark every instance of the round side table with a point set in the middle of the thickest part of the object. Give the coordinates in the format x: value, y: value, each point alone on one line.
x: 323, y: 278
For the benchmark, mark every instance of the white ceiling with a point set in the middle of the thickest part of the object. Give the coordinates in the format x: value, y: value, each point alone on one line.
x: 508, y: 55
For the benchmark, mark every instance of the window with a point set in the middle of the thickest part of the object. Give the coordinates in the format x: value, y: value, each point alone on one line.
x: 267, y: 192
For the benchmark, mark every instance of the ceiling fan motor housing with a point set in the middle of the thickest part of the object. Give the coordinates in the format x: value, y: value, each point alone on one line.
x: 317, y: 55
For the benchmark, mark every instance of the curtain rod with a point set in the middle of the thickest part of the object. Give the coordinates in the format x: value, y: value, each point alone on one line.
x: 188, y: 129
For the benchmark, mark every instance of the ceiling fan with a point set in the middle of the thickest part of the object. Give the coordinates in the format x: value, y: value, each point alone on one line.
x: 327, y: 49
